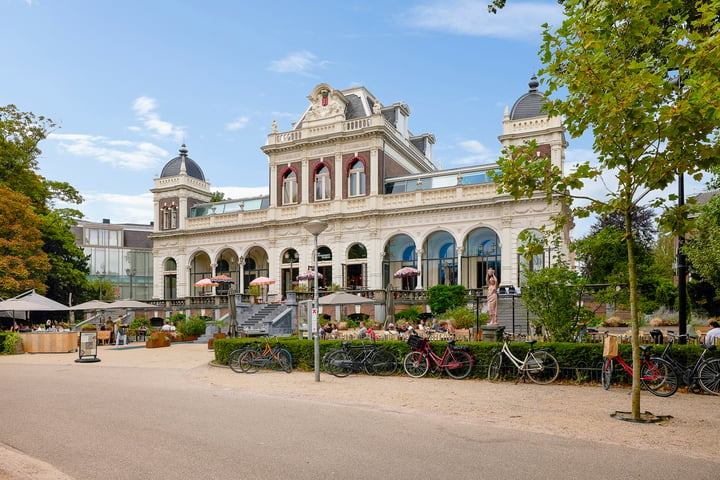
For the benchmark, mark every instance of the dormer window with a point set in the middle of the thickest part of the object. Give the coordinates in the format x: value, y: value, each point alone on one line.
x: 322, y: 183
x: 290, y: 188
x: 356, y: 179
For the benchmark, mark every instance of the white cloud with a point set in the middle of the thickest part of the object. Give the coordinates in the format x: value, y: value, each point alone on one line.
x: 518, y: 20
x: 238, y: 124
x: 479, y: 154
x: 116, y: 207
x: 118, y: 153
x: 144, y: 108
x: 297, y: 62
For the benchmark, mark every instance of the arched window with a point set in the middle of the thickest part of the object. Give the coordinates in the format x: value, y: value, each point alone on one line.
x: 290, y: 188
x: 322, y: 183
x: 356, y: 179
x: 170, y: 265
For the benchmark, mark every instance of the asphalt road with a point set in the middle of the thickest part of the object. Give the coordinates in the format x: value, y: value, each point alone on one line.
x: 120, y: 422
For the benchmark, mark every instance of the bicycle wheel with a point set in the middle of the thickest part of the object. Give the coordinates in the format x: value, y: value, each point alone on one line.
x: 234, y: 360
x: 326, y: 357
x: 709, y: 376
x: 459, y: 364
x: 607, y: 371
x: 416, y: 364
x: 495, y: 367
x: 339, y: 363
x: 383, y: 363
x: 281, y: 360
x: 542, y: 367
x: 659, y: 377
x: 248, y: 361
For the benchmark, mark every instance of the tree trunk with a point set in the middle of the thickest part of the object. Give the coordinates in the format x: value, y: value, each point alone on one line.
x: 632, y: 277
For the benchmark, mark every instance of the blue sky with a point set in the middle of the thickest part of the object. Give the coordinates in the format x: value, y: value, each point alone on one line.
x: 128, y: 82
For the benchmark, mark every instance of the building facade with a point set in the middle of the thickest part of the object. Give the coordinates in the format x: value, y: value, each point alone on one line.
x: 119, y: 254
x: 353, y: 162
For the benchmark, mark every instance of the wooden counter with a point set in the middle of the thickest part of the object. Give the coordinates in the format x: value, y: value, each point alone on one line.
x: 49, y: 342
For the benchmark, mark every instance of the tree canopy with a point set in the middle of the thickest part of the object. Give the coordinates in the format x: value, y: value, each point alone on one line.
x: 613, y: 63
x: 33, y: 203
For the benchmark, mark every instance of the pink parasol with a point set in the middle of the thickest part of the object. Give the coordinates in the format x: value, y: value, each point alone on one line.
x: 262, y: 281
x: 407, y: 272
x: 206, y: 282
x: 309, y: 275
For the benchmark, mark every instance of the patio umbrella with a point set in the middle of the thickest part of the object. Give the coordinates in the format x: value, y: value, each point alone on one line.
x: 260, y: 281
x: 127, y: 303
x: 309, y: 275
x: 32, y: 302
x: 222, y: 279
x: 206, y: 282
x: 407, y: 272
x: 91, y: 305
x: 337, y: 299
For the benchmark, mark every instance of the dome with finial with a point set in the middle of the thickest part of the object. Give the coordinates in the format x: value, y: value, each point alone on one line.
x: 530, y: 104
x: 182, y: 164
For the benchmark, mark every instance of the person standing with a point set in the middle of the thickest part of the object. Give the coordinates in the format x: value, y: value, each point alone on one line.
x: 491, y: 281
x: 713, y: 334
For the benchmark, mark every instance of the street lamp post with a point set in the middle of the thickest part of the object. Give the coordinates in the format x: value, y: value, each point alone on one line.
x: 315, y: 227
x: 131, y: 273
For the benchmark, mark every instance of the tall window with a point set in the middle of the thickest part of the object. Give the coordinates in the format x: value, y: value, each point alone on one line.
x: 173, y: 217
x: 290, y: 188
x: 357, y: 178
x: 322, y: 183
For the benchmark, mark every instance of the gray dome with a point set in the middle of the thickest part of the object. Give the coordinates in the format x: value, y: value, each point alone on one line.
x: 174, y: 166
x: 530, y: 104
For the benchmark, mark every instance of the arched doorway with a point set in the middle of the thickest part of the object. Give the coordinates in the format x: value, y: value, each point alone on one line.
x: 440, y: 261
x: 482, y: 250
x: 400, y: 252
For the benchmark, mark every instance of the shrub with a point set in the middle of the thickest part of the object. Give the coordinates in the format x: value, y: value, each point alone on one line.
x: 9, y: 342
x: 192, y: 326
x: 138, y: 322
x: 615, y: 322
x: 442, y: 298
x: 411, y: 314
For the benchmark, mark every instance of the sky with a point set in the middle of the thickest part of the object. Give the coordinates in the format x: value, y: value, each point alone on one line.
x: 129, y: 82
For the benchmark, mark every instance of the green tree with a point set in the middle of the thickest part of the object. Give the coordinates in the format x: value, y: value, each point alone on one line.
x: 703, y: 246
x: 446, y: 297
x: 615, y: 61
x: 68, y: 262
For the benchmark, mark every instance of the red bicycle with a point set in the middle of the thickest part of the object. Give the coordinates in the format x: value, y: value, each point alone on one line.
x: 656, y: 374
x: 456, y: 361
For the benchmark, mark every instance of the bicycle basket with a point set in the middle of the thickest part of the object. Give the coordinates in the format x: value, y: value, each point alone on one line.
x: 414, y: 341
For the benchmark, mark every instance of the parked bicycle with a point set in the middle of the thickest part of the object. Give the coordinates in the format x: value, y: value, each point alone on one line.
x: 349, y: 358
x: 275, y: 357
x: 234, y: 357
x: 539, y: 365
x: 704, y: 374
x: 455, y: 361
x: 656, y: 374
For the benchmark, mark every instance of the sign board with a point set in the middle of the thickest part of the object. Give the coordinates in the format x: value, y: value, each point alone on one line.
x: 88, y: 347
x: 314, y: 323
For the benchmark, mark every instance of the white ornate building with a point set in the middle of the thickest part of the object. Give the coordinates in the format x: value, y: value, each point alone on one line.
x: 352, y: 162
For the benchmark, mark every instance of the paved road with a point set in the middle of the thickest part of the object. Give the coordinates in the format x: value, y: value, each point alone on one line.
x: 124, y: 422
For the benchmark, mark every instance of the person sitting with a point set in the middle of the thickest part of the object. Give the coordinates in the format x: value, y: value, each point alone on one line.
x: 167, y: 327
x: 713, y: 334
x: 371, y: 333
x: 326, y: 331
x: 391, y: 329
x: 362, y: 333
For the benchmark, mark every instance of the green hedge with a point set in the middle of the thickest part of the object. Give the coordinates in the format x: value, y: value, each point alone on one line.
x: 576, y: 359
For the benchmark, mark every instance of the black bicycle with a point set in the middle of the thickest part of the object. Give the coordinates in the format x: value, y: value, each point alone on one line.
x: 370, y: 357
x: 704, y: 374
